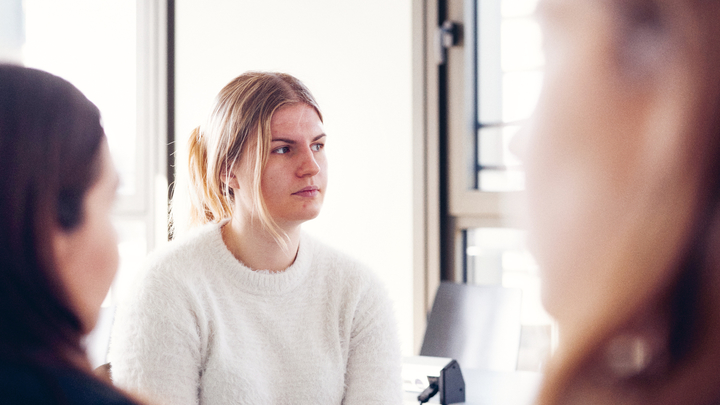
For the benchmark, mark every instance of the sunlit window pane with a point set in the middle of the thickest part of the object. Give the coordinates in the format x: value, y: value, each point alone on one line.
x: 521, y: 45
x: 489, y: 80
x: 495, y: 149
x: 502, y: 170
x: 498, y: 256
x: 520, y: 94
x: 509, y: 78
x: 92, y: 44
x: 518, y: 8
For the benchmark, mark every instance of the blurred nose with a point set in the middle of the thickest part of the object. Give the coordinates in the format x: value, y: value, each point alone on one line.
x: 308, y: 165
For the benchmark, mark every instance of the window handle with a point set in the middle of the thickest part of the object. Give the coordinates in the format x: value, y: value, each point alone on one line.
x: 446, y: 36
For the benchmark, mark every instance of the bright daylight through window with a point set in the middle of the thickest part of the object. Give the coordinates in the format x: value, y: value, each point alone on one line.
x: 98, y: 55
x: 508, y: 74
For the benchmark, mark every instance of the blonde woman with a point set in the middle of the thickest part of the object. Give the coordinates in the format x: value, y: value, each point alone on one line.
x: 247, y: 309
x: 623, y: 180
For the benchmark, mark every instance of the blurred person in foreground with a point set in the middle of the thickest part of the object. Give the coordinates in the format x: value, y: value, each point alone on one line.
x: 623, y: 184
x: 58, y: 249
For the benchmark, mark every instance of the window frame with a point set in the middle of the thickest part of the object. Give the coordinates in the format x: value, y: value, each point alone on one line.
x: 465, y: 200
x: 468, y: 207
x: 154, y: 71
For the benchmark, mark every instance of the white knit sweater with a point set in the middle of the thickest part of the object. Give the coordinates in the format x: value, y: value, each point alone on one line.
x: 202, y: 328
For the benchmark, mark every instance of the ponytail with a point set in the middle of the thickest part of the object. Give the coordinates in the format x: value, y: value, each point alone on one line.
x: 197, y: 170
x: 208, y: 197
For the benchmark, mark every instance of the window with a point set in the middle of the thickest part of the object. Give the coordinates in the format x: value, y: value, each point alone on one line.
x: 98, y: 55
x: 491, y: 80
x: 508, y: 72
x: 114, y: 53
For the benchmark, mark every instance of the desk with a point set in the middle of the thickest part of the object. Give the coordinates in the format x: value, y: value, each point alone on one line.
x: 483, y: 387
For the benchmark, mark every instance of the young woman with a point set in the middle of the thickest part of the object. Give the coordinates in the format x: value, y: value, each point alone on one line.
x: 623, y: 181
x: 248, y: 309
x: 58, y: 252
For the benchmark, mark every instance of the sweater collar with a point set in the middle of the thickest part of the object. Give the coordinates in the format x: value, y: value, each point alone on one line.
x: 260, y: 282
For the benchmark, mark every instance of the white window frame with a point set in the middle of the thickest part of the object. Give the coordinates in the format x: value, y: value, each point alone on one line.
x: 150, y: 203
x: 468, y: 206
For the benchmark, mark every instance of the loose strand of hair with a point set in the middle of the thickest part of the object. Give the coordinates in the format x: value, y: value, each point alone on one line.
x: 197, y: 170
x: 259, y: 206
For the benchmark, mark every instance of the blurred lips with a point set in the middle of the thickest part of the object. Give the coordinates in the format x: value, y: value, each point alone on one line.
x: 309, y: 191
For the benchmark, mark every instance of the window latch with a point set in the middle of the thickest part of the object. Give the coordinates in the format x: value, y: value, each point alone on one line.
x: 446, y: 36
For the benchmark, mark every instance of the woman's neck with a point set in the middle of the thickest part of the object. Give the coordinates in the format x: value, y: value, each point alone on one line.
x: 256, y: 248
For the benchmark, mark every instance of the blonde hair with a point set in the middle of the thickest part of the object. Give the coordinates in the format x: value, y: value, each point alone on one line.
x: 239, y: 126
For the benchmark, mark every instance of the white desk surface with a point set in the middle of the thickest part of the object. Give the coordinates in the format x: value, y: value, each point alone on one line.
x: 483, y: 387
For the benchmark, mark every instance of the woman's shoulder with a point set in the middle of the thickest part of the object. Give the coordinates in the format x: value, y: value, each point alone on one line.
x: 343, y: 268
x: 24, y: 384
x: 354, y: 286
x: 195, y: 244
x: 177, y: 269
x: 184, y: 258
x: 327, y: 255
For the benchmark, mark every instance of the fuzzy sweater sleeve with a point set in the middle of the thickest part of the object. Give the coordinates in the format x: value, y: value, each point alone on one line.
x: 373, y: 374
x: 155, y: 347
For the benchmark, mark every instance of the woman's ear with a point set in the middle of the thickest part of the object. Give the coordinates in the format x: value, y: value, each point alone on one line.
x: 229, y: 178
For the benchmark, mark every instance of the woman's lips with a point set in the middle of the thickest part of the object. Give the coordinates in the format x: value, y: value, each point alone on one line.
x: 310, y: 191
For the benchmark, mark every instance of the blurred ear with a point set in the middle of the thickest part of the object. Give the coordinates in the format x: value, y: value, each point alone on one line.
x: 62, y: 247
x: 229, y: 178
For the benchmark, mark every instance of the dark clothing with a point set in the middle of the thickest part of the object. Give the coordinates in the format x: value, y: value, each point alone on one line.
x: 28, y: 385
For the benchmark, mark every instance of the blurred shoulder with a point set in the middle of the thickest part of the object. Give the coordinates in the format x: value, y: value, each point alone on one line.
x: 24, y: 384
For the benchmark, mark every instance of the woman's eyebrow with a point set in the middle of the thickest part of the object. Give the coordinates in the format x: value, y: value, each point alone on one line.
x: 292, y: 141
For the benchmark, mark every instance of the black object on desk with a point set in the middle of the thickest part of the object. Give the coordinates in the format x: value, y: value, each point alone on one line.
x: 450, y: 384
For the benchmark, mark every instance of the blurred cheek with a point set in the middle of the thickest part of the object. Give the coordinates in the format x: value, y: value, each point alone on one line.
x: 88, y: 266
x: 96, y: 267
x: 582, y: 179
x: 107, y: 261
x: 564, y: 143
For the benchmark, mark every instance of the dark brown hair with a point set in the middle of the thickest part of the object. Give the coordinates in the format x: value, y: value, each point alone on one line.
x: 50, y: 137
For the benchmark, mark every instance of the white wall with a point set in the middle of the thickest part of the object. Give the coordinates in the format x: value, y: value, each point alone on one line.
x: 355, y: 56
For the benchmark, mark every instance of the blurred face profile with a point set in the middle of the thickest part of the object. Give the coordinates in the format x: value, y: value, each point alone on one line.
x: 87, y: 255
x: 585, y: 153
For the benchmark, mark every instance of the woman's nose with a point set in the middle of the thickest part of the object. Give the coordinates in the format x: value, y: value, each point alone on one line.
x: 308, y: 165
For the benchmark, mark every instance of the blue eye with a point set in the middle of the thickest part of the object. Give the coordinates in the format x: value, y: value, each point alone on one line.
x: 317, y: 146
x: 282, y: 150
